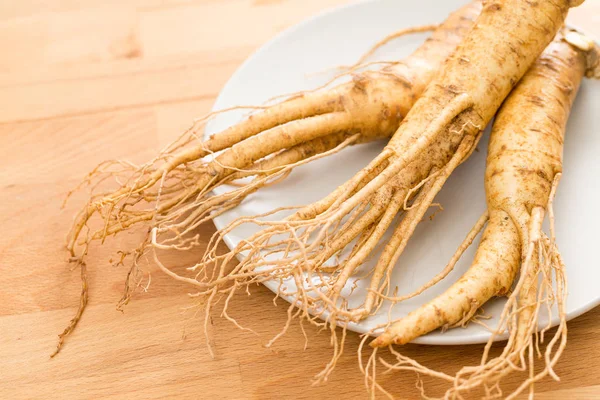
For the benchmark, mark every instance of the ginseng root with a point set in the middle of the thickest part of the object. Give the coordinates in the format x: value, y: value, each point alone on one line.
x: 172, y: 192
x: 524, y: 164
x: 439, y: 132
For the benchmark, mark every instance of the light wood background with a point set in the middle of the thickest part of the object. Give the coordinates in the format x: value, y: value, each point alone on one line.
x: 86, y: 80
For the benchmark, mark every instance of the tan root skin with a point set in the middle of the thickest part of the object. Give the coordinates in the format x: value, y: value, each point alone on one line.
x: 523, y: 168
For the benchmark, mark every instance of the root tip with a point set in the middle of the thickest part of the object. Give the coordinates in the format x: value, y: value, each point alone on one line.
x: 380, y: 341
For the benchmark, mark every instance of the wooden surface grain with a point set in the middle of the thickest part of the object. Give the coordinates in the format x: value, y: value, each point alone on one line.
x: 86, y: 80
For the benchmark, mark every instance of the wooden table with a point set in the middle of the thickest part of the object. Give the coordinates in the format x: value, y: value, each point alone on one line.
x: 82, y: 81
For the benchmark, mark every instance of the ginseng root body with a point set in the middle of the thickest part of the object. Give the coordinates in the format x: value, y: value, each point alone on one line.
x: 524, y: 164
x: 171, y: 194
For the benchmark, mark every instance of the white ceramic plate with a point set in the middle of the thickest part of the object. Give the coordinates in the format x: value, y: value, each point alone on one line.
x: 296, y: 60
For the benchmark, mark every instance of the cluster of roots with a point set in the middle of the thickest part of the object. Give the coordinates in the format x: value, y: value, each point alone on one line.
x: 171, y: 195
x: 318, y: 254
